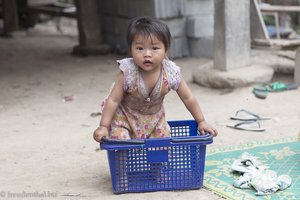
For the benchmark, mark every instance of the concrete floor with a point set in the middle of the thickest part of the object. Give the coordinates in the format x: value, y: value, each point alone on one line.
x: 47, y: 144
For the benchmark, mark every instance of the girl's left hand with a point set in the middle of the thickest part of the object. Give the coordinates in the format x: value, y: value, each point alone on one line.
x: 203, y: 127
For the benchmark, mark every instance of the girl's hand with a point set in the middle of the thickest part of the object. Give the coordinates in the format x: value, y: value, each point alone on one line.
x: 100, y: 132
x: 205, y: 127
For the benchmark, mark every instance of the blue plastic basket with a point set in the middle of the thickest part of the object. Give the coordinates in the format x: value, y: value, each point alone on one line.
x: 175, y: 163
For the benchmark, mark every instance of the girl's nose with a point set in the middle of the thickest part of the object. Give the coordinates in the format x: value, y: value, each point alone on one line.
x: 148, y: 52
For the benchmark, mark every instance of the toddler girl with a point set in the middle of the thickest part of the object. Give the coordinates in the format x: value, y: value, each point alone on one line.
x: 134, y: 108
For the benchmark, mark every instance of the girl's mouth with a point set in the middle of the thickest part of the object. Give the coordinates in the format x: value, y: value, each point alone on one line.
x: 147, y: 62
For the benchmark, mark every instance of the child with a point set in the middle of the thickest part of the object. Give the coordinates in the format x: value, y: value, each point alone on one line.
x: 134, y: 108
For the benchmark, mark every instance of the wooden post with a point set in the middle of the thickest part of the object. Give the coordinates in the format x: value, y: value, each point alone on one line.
x: 297, y: 68
x: 89, y: 27
x: 10, y: 17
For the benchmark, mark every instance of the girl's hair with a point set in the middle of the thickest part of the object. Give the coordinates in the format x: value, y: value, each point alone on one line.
x: 148, y: 26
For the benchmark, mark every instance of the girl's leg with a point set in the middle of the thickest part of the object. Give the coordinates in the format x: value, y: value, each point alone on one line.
x: 120, y: 129
x: 121, y: 157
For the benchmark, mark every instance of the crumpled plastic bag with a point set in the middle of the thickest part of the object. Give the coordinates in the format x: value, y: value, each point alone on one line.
x: 257, y: 176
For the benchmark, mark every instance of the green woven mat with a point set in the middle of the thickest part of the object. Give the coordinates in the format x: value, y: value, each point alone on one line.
x: 282, y: 156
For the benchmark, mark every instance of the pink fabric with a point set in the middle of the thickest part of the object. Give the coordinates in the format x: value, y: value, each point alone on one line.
x: 142, y: 115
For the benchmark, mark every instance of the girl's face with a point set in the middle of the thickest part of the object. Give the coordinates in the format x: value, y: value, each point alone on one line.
x: 148, y: 52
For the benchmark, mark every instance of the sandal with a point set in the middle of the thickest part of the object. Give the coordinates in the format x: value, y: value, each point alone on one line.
x: 247, y: 126
x: 276, y: 87
x: 260, y: 92
x: 245, y: 115
x: 279, y: 86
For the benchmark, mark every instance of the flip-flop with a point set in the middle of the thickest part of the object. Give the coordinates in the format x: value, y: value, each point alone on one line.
x: 260, y: 92
x: 279, y: 86
x: 247, y: 126
x: 244, y: 115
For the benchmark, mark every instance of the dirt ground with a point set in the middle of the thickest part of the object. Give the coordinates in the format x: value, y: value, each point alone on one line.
x: 46, y: 144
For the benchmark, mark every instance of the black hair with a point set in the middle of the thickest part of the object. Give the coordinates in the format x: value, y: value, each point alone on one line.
x: 148, y: 26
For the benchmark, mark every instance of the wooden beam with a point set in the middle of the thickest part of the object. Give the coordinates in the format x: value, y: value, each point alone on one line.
x: 51, y: 10
x: 10, y: 17
x: 277, y: 8
x: 258, y: 27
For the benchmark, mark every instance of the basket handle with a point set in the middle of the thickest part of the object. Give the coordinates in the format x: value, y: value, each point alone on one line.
x: 117, y: 141
x: 205, y: 137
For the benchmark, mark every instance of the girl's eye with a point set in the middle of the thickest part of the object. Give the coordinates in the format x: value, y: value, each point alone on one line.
x: 139, y: 48
x: 155, y: 48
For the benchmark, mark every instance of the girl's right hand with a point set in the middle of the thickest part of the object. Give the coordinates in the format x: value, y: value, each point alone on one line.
x: 100, y: 132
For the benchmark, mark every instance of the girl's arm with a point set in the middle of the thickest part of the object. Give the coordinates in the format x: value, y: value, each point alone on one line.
x: 192, y: 105
x: 111, y: 104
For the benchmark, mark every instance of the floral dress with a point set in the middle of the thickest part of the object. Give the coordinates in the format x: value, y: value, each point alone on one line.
x: 141, y: 113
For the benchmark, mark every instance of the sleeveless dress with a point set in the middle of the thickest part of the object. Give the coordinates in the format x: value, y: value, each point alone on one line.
x: 141, y: 113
